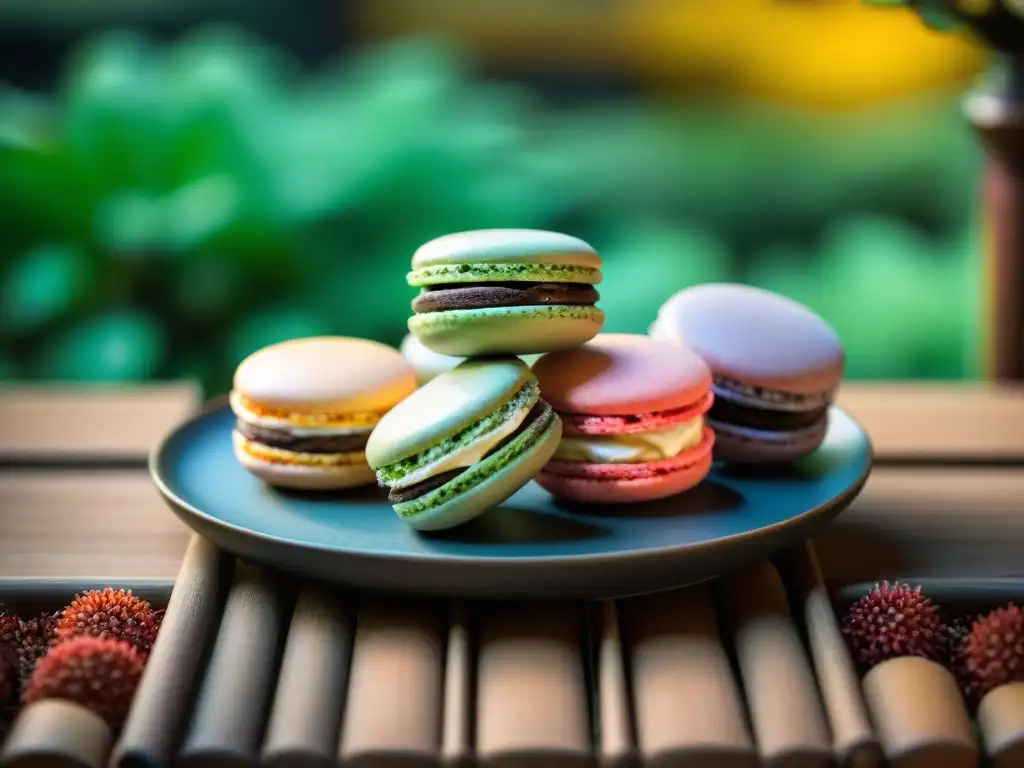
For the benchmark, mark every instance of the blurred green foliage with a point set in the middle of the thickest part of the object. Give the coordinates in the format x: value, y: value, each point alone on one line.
x: 171, y: 209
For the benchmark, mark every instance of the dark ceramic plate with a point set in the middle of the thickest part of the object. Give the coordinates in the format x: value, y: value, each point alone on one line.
x: 530, y: 546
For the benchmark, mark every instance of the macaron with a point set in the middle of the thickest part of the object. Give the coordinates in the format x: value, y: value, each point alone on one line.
x: 463, y: 443
x: 505, y: 291
x: 632, y: 412
x: 305, y: 408
x: 776, y: 366
x: 427, y: 363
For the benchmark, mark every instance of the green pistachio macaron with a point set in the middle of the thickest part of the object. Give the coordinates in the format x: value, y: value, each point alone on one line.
x: 463, y: 443
x: 505, y: 292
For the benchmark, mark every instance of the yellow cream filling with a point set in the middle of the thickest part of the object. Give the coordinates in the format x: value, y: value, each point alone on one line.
x: 470, y: 454
x: 298, y: 458
x: 320, y: 423
x: 655, y: 445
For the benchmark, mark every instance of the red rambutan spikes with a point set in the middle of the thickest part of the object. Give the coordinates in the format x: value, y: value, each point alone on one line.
x: 994, y: 649
x: 115, y: 613
x: 893, y: 620
x: 101, y: 674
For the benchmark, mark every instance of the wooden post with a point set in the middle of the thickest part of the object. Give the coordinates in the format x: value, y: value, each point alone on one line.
x: 996, y: 110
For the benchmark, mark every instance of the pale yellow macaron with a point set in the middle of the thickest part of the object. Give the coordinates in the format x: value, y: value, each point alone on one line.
x: 429, y: 364
x: 305, y: 409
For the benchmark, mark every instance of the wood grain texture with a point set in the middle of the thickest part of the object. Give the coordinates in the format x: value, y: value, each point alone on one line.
x: 916, y: 419
x: 86, y: 524
x: 393, y: 707
x: 933, y: 523
x: 919, y: 712
x: 532, y: 705
x: 687, y: 704
x: 96, y: 422
x: 924, y: 522
x: 773, y: 664
x: 908, y: 418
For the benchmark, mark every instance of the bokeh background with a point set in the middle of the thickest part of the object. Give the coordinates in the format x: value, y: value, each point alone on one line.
x: 184, y: 182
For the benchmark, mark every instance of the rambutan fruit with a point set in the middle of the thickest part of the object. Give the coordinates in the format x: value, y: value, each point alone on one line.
x: 30, y: 639
x: 101, y: 674
x: 956, y: 655
x: 994, y: 649
x: 114, y: 613
x: 10, y: 677
x: 8, y: 624
x: 9, y: 680
x: 893, y: 620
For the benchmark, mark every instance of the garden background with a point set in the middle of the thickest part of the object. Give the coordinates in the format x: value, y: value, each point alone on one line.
x: 183, y: 183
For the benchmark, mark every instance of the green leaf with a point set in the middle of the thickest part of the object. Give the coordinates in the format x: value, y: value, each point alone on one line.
x: 195, y: 214
x: 646, y: 262
x: 129, y: 224
x: 222, y: 69
x: 223, y: 93
x: 26, y: 119
x: 911, y: 330
x: 207, y: 287
x: 938, y: 20
x: 38, y: 193
x: 113, y: 122
x: 118, y: 346
x: 46, y: 284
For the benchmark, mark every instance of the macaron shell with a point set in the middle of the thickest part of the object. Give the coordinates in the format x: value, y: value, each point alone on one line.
x: 627, y: 490
x: 585, y: 424
x: 754, y: 336
x: 444, y: 406
x: 740, y: 445
x: 505, y: 246
x: 622, y: 375
x: 625, y: 483
x: 506, y: 330
x: 427, y: 363
x: 495, y: 489
x: 307, y: 478
x: 465, y: 275
x: 335, y: 373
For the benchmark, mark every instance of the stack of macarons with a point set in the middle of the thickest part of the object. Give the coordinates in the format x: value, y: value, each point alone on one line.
x: 517, y: 383
x: 479, y: 429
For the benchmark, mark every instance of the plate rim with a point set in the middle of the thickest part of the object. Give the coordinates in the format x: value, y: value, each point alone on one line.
x: 183, y: 508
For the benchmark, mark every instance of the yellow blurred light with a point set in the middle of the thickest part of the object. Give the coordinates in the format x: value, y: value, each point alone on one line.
x: 831, y: 54
x: 836, y: 54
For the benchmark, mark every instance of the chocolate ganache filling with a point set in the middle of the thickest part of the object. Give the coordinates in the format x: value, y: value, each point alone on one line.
x: 441, y: 298
x: 541, y: 412
x: 307, y: 443
x: 728, y: 412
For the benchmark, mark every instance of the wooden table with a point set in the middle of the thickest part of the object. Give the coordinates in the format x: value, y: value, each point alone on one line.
x: 946, y: 497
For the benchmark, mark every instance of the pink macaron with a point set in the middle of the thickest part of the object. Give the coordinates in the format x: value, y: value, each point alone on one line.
x: 632, y: 410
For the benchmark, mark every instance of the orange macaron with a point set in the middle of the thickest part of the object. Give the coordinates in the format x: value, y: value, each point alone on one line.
x: 633, y: 413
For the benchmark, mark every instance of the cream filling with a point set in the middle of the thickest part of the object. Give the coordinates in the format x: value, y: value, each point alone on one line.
x: 655, y: 445
x: 468, y: 455
x: 269, y: 422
